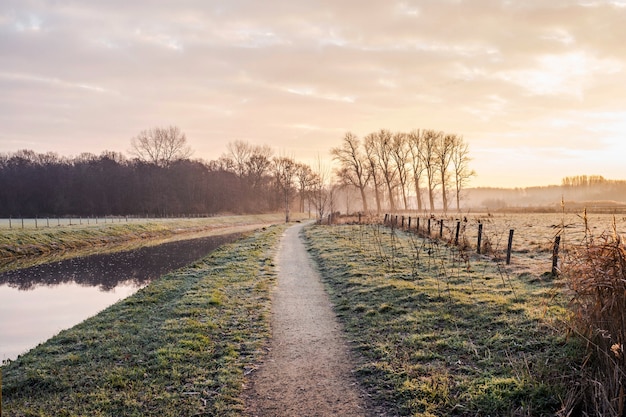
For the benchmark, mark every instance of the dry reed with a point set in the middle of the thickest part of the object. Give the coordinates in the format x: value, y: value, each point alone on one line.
x: 596, y: 275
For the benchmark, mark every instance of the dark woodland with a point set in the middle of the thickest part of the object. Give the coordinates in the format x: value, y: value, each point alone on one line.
x: 42, y: 185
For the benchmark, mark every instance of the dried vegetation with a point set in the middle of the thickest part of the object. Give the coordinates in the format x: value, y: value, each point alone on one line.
x: 596, y: 278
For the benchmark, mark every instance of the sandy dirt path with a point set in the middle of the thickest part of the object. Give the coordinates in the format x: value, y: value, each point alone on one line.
x: 308, y: 371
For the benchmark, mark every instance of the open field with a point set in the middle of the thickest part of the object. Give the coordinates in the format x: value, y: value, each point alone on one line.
x: 178, y: 347
x: 533, y: 237
x: 443, y: 331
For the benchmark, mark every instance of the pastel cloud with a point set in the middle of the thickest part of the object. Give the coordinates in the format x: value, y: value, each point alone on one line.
x: 545, y: 77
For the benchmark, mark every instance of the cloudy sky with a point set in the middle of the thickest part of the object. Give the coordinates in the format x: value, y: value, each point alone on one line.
x: 537, y: 88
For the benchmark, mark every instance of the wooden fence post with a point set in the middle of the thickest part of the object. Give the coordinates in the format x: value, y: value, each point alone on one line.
x: 509, y: 247
x: 555, y: 255
x: 428, y: 228
x: 417, y: 226
x: 403, y: 222
x: 441, y: 229
x: 456, y: 235
x: 480, y: 237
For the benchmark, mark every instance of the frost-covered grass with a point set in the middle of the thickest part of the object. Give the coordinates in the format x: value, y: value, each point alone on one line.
x: 20, y: 243
x: 443, y: 332
x: 179, y: 347
x: 437, y: 332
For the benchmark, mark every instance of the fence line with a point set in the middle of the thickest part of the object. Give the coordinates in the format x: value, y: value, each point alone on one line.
x: 393, y: 222
x: 46, y: 222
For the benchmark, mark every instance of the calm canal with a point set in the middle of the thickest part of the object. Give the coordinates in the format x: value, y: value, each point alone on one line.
x: 38, y: 302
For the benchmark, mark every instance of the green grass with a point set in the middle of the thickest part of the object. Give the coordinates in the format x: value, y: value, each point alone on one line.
x: 438, y: 336
x: 26, y: 247
x: 178, y: 347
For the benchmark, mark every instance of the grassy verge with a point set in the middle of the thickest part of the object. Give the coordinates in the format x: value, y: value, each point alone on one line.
x: 178, y: 347
x: 19, y: 243
x: 444, y: 333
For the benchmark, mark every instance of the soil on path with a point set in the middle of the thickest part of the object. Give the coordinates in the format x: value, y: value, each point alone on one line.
x: 308, y: 370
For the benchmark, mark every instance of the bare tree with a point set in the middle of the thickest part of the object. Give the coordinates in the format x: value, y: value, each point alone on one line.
x: 258, y: 164
x: 400, y: 155
x: 305, y: 178
x: 381, y: 145
x: 460, y: 165
x: 414, y: 140
x: 372, y: 167
x: 160, y: 145
x: 430, y: 138
x: 284, y: 172
x: 443, y: 154
x: 353, y: 165
x: 321, y: 191
x: 239, y: 152
x: 251, y: 164
x: 248, y: 161
x: 332, y: 191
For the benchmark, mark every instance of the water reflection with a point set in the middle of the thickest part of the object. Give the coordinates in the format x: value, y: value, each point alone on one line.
x: 39, y: 301
x: 107, y: 271
x: 31, y: 317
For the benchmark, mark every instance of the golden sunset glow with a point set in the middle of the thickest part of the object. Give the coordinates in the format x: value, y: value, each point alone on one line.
x: 536, y: 88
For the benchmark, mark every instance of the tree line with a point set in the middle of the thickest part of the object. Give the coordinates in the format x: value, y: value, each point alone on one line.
x: 393, y: 166
x: 161, y: 179
x: 247, y: 179
x: 42, y: 185
x: 587, y: 181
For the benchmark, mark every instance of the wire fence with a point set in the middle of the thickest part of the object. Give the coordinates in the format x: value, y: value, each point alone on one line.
x: 536, y: 241
x: 48, y: 222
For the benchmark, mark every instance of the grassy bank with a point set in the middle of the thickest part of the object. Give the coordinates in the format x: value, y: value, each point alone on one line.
x: 20, y: 243
x: 441, y: 332
x: 177, y: 347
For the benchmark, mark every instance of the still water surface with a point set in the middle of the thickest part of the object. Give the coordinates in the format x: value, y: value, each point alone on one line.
x: 38, y: 302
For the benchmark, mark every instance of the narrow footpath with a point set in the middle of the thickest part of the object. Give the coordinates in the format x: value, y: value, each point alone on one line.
x: 308, y: 371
